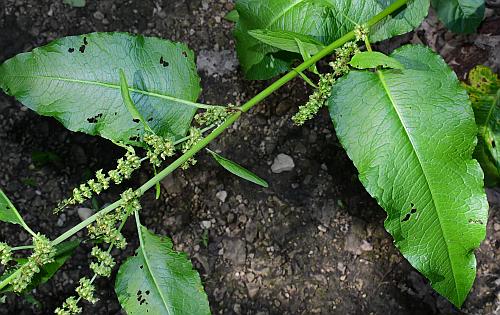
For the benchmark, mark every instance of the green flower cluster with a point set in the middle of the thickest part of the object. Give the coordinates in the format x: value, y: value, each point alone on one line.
x: 361, y: 32
x: 316, y: 100
x: 213, y: 115
x: 86, y: 291
x: 70, y: 307
x: 159, y: 148
x: 195, y: 135
x: 126, y: 166
x: 342, y: 57
x: 320, y: 96
x: 105, y: 262
x: 5, y: 254
x: 43, y: 253
x: 105, y: 226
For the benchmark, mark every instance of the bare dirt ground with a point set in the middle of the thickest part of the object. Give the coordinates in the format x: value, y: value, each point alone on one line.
x: 313, y: 243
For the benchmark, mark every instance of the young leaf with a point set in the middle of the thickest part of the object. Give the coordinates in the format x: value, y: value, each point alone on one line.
x: 74, y: 79
x: 412, y: 146
x: 232, y: 16
x: 238, y: 170
x: 323, y: 20
x: 9, y: 213
x: 159, y: 280
x: 288, y: 40
x: 484, y: 92
x: 75, y: 3
x: 374, y: 59
x: 63, y: 252
x: 129, y: 103
x: 460, y: 16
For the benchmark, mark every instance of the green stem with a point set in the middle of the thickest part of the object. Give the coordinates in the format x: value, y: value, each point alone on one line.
x: 22, y: 247
x: 229, y: 121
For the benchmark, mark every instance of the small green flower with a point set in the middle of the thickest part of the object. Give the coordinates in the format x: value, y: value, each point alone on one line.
x: 5, y: 253
x: 23, y: 279
x: 104, y: 264
x: 213, y: 115
x: 44, y: 251
x: 69, y: 307
x: 86, y: 291
x: 159, y: 148
x: 316, y: 100
x: 361, y: 32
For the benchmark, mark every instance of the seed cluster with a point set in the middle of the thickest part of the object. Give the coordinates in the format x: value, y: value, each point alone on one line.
x: 159, y: 148
x: 361, y: 32
x: 213, y: 115
x: 5, y: 254
x: 105, y: 226
x: 195, y: 135
x: 105, y: 262
x: 320, y: 96
x: 86, y: 290
x: 43, y: 253
x: 126, y: 166
x: 70, y: 307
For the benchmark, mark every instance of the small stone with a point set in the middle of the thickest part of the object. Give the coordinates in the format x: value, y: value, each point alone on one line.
x: 496, y: 227
x: 85, y: 213
x: 366, y: 247
x: 206, y: 224
x: 322, y: 228
x: 98, y: 15
x: 221, y: 195
x: 282, y: 163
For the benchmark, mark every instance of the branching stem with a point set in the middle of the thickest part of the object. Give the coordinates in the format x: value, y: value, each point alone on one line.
x: 228, y: 122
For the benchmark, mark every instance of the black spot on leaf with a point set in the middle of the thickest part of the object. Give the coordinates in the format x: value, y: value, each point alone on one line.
x: 70, y: 50
x: 493, y: 144
x: 85, y: 42
x: 150, y: 119
x: 184, y: 54
x: 94, y: 119
x: 147, y: 292
x: 406, y: 218
x: 82, y: 49
x: 136, y: 120
x: 135, y: 138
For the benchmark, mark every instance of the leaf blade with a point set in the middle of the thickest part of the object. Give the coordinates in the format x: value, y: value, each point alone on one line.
x: 238, y: 170
x: 73, y: 79
x: 484, y: 92
x: 9, y: 213
x: 460, y: 16
x: 374, y: 59
x: 433, y: 194
x: 166, y: 283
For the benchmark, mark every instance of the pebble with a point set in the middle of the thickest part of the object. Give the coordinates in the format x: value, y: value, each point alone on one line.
x: 221, y: 195
x: 85, y: 213
x: 206, y: 224
x: 366, y: 247
x: 282, y: 163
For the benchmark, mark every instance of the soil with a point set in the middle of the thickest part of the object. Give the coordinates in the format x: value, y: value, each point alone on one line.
x: 312, y: 243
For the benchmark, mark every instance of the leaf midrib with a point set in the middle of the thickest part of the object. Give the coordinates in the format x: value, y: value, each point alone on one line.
x: 147, y: 263
x: 443, y: 233
x: 112, y: 86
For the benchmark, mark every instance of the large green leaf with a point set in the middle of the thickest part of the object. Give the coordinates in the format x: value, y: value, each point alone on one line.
x: 460, y: 16
x: 322, y: 20
x: 76, y: 80
x: 484, y: 92
x: 411, y: 134
x: 159, y: 280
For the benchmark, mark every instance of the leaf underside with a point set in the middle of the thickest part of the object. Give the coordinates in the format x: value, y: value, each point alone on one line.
x: 159, y: 280
x: 484, y: 92
x: 76, y: 80
x: 239, y: 170
x: 323, y: 20
x: 412, y: 146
